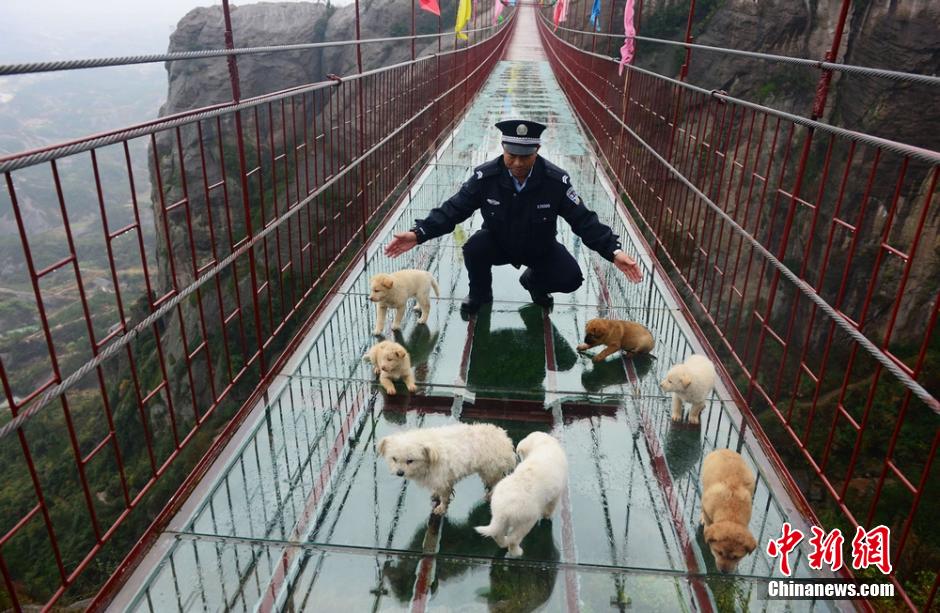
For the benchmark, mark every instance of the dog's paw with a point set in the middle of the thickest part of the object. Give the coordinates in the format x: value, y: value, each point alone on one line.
x: 514, y: 552
x: 582, y: 347
x: 693, y: 419
x: 597, y: 358
x: 390, y: 391
x: 412, y: 387
x: 377, y: 332
x: 676, y: 418
x: 439, y: 509
x: 416, y: 307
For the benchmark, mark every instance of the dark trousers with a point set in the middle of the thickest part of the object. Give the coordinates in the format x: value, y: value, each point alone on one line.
x: 556, y: 270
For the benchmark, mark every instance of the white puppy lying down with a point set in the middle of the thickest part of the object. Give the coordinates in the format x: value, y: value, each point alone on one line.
x: 530, y: 493
x: 393, y: 291
x: 391, y: 362
x: 437, y: 458
x: 692, y: 382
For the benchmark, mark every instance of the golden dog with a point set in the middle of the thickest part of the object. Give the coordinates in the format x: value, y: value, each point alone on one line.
x: 727, y: 487
x: 390, y: 361
x: 628, y: 336
x: 393, y: 291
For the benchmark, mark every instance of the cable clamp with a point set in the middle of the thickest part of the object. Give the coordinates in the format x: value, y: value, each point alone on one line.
x: 716, y: 93
x: 336, y: 78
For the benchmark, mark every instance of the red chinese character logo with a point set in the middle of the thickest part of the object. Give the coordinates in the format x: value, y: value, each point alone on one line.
x: 828, y: 549
x: 872, y: 548
x: 783, y: 546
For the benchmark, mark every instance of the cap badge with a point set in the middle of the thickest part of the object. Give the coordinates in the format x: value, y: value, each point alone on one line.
x: 521, y: 130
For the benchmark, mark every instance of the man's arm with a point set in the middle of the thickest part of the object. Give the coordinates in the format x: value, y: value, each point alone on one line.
x: 596, y: 235
x: 439, y: 221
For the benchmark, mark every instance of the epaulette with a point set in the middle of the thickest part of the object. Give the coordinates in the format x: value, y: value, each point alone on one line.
x: 487, y: 169
x: 556, y: 173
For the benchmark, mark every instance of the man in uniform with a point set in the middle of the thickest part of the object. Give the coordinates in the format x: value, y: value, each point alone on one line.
x: 520, y: 195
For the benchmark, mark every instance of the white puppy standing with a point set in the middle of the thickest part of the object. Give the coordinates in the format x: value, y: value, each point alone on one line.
x: 691, y: 381
x: 529, y: 494
x: 393, y: 291
x: 437, y: 458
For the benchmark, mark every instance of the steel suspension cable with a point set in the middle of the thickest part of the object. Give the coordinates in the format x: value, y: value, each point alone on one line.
x: 129, y: 60
x: 21, y: 160
x: 785, y: 59
x: 918, y: 153
x: 112, y: 349
x: 917, y: 389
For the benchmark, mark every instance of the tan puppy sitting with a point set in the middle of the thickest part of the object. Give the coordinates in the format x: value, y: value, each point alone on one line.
x: 628, y: 336
x: 391, y: 362
x: 727, y: 488
x: 393, y: 291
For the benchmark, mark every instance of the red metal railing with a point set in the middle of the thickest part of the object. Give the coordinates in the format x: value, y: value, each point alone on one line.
x: 153, y: 337
x: 796, y: 245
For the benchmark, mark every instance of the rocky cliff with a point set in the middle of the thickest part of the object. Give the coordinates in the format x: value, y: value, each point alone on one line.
x: 900, y: 35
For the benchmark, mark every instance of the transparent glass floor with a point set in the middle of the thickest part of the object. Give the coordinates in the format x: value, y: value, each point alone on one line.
x: 301, y: 513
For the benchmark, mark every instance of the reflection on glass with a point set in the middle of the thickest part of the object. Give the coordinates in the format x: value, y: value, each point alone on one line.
x: 512, y: 586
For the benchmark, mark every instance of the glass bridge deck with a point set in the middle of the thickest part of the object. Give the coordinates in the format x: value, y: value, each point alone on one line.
x: 301, y: 513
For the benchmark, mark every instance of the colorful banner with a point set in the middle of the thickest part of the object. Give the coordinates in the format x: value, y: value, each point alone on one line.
x: 497, y: 12
x: 561, y: 12
x: 431, y: 6
x: 463, y: 16
x: 595, y: 15
x: 629, y: 44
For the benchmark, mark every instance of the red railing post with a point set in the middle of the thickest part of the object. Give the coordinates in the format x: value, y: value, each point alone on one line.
x: 243, y: 176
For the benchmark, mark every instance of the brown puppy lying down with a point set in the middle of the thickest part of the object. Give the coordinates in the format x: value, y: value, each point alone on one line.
x: 727, y: 488
x: 618, y: 335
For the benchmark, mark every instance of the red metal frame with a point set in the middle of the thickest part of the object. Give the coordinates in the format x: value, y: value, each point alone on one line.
x: 807, y: 197
x: 288, y: 187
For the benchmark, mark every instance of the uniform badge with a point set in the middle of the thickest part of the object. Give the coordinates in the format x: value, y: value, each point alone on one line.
x: 521, y: 130
x: 564, y: 179
x: 479, y: 174
x: 573, y: 195
x: 493, y: 202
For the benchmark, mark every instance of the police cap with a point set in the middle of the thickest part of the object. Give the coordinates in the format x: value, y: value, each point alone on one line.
x: 521, y: 137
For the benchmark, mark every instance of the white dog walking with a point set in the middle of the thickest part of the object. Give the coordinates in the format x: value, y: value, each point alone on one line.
x: 692, y: 382
x: 437, y: 458
x: 530, y: 493
x: 393, y: 291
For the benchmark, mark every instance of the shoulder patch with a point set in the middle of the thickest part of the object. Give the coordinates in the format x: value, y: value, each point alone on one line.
x: 486, y: 169
x: 573, y: 195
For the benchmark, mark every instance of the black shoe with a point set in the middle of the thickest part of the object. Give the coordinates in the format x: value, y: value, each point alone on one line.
x: 471, y: 304
x: 539, y: 297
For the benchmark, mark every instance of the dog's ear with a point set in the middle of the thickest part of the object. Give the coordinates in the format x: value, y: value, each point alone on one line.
x: 382, y: 445
x: 710, y: 536
x: 431, y: 455
x: 750, y: 543
x: 388, y: 282
x: 685, y: 380
x: 401, y: 353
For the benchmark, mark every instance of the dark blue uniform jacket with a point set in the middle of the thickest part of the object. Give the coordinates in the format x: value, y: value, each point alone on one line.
x: 523, y: 223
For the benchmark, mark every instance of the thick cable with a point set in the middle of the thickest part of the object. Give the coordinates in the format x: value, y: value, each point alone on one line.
x: 917, y: 389
x: 22, y: 160
x: 918, y: 153
x: 113, y: 348
x: 129, y: 60
x: 785, y: 59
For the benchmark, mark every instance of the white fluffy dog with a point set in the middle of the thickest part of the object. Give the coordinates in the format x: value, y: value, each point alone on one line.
x: 393, y: 291
x: 692, y: 382
x: 530, y: 493
x: 391, y: 362
x: 437, y: 458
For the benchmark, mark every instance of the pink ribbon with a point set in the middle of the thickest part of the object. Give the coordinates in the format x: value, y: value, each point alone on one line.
x: 629, y: 44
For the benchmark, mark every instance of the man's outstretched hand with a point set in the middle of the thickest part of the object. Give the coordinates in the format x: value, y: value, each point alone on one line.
x: 403, y: 241
x: 627, y: 266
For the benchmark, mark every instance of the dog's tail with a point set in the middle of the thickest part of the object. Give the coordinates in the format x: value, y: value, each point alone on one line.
x: 496, y: 530
x: 437, y: 290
